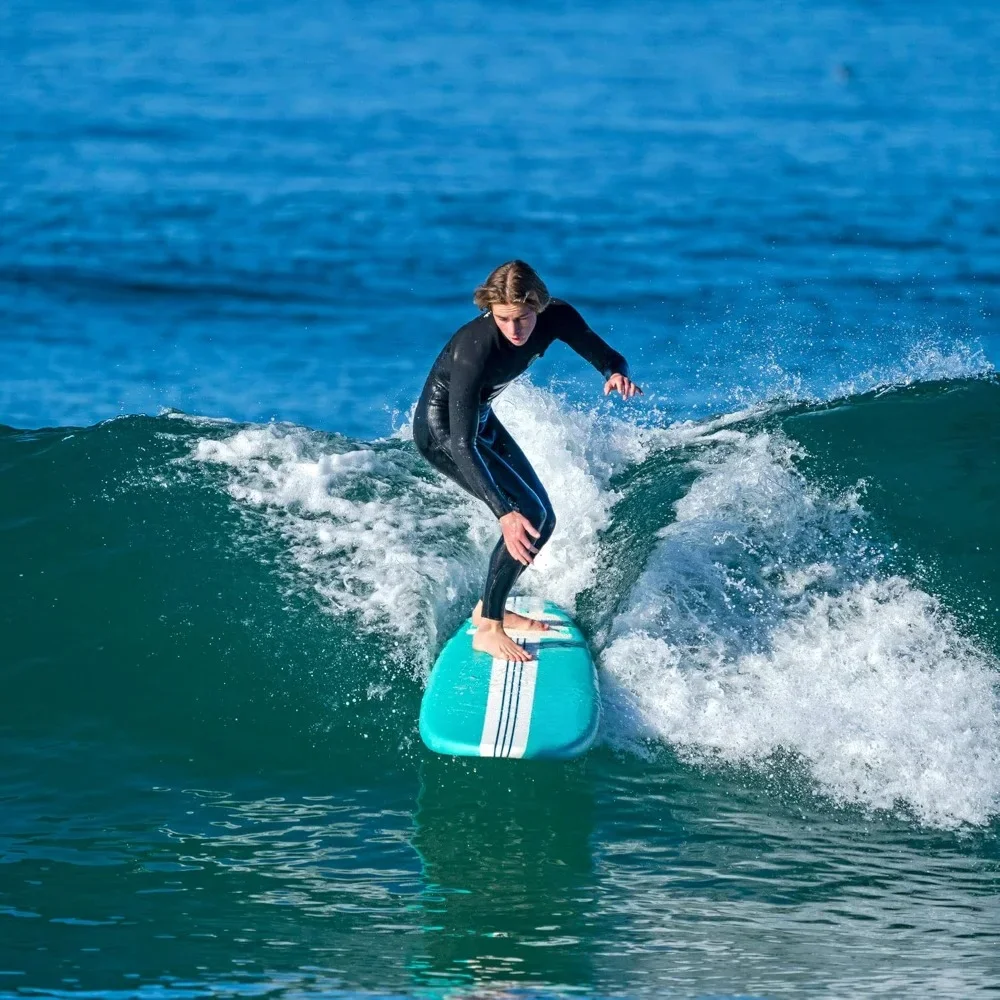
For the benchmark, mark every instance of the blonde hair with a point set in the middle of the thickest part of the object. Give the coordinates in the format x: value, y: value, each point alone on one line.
x: 512, y: 284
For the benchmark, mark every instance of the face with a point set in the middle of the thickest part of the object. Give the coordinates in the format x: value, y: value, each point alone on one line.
x: 515, y: 322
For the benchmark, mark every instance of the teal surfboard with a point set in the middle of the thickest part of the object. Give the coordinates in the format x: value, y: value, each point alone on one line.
x: 478, y: 706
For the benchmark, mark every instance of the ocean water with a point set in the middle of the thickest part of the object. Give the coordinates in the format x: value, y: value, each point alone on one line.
x: 234, y: 237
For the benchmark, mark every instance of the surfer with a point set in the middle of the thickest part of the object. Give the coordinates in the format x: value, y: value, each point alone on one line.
x: 456, y: 430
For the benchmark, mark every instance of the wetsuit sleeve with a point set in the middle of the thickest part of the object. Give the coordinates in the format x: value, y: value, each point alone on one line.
x: 573, y: 330
x: 463, y: 422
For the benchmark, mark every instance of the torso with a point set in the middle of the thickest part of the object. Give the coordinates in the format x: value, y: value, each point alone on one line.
x: 480, y: 343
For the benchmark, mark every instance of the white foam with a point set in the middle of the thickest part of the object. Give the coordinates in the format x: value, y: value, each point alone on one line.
x: 575, y: 453
x: 365, y: 528
x: 194, y: 419
x: 763, y: 622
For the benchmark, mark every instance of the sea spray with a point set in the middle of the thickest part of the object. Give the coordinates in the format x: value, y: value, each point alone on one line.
x: 367, y: 526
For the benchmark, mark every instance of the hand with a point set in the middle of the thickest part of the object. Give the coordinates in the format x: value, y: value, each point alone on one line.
x: 516, y: 528
x: 619, y: 383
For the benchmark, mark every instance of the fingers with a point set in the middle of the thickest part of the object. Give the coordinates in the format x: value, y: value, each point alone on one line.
x: 517, y: 541
x: 527, y: 526
x: 527, y: 548
x: 519, y: 554
x: 519, y: 549
x: 516, y: 531
x: 623, y: 385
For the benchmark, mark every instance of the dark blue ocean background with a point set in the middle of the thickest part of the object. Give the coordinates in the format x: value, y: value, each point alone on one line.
x: 233, y: 237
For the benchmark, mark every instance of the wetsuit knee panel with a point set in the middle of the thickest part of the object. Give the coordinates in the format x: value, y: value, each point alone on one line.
x: 550, y: 524
x: 541, y: 516
x: 427, y: 433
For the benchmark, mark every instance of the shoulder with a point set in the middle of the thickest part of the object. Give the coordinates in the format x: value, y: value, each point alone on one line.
x: 559, y: 307
x: 472, y: 342
x: 560, y: 317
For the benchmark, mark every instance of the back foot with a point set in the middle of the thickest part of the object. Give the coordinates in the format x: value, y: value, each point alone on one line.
x: 511, y: 620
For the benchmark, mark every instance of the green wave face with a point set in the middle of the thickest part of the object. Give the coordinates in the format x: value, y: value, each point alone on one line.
x: 139, y: 598
x: 927, y: 461
x: 274, y: 593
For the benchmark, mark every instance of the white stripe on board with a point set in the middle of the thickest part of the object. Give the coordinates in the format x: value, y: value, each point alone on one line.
x: 522, y: 721
x: 494, y: 704
x: 502, y: 745
x: 509, y: 702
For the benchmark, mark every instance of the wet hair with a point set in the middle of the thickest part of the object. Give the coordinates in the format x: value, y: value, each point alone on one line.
x: 512, y: 284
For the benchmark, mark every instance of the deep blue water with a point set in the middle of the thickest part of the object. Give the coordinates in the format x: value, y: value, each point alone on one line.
x: 246, y: 229
x: 257, y: 210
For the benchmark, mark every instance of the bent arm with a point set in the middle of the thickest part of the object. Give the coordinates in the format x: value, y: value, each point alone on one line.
x: 463, y: 422
x: 589, y: 345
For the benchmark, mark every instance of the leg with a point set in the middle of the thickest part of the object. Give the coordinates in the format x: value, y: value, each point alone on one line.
x: 504, y: 569
x: 513, y: 473
x: 507, y: 448
x: 503, y: 445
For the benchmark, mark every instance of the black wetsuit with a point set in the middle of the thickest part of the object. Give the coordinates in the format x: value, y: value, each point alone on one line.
x: 455, y: 429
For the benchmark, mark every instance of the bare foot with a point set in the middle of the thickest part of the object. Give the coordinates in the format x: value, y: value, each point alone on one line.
x: 491, y: 638
x: 511, y: 620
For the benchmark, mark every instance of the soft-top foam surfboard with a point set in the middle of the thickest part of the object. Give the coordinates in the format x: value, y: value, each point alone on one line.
x: 478, y: 706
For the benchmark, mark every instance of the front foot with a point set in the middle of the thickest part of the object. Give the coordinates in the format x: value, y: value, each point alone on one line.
x: 491, y: 638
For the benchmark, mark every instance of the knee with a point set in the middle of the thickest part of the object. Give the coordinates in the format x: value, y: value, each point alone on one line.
x: 424, y: 443
x: 543, y: 519
x: 420, y: 437
x: 425, y: 449
x: 549, y: 525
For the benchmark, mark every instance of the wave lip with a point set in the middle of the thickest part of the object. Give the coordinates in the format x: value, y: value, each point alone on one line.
x: 927, y: 360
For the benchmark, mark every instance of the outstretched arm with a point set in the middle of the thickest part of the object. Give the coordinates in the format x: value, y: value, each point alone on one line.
x: 598, y: 352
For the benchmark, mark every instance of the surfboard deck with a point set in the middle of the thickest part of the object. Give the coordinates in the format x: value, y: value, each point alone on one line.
x: 478, y: 706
